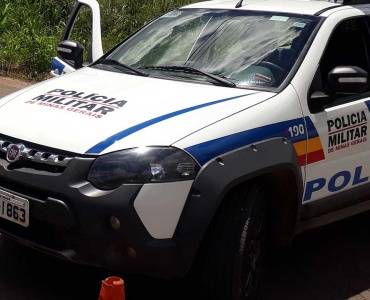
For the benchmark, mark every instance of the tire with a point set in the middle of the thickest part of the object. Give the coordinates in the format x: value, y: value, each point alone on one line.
x: 232, y: 256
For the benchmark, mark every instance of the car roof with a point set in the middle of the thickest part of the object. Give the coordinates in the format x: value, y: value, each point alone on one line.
x: 307, y: 7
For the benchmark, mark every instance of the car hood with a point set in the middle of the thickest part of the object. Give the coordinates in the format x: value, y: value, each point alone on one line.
x: 93, y: 111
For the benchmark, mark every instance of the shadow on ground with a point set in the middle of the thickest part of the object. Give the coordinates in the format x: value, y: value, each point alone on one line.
x: 327, y: 263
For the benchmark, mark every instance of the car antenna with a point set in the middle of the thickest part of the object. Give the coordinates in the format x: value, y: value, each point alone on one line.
x: 239, y: 4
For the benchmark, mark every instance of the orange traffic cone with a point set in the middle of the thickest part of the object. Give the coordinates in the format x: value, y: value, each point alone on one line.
x: 112, y: 288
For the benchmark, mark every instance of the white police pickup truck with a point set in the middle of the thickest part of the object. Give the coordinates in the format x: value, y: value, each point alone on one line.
x: 216, y: 130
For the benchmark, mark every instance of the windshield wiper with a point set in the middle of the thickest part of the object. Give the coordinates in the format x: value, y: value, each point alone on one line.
x: 113, y: 62
x: 191, y: 70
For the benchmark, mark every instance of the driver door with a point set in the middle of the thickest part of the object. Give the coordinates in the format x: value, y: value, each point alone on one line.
x: 337, y: 172
x: 83, y: 26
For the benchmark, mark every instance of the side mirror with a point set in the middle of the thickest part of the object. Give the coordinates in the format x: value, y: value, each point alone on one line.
x: 347, y: 80
x: 71, y: 50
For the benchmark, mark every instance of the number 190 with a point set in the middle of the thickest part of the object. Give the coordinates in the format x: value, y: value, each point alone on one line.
x: 296, y: 130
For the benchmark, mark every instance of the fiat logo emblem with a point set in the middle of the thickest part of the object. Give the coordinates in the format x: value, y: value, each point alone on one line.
x: 14, y: 152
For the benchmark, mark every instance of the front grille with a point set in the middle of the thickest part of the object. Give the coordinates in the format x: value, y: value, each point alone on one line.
x: 34, y: 155
x: 32, y: 165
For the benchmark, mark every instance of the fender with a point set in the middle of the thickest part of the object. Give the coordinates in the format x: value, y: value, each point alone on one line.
x: 221, y: 174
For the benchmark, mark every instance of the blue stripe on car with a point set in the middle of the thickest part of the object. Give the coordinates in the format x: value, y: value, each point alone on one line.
x: 368, y: 104
x: 57, y: 65
x: 208, y: 150
x: 98, y: 148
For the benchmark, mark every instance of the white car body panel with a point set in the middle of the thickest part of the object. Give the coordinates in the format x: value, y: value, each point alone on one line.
x: 330, y: 166
x: 244, y: 121
x: 159, y: 206
x: 46, y: 128
x: 287, y: 6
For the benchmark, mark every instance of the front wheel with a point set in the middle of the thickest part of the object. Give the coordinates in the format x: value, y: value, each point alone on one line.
x: 232, y: 255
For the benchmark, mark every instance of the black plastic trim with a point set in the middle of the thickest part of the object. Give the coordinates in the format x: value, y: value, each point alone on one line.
x: 355, y: 2
x: 326, y: 9
x: 223, y: 173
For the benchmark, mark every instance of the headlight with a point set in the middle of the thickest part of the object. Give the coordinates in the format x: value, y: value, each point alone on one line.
x: 141, y: 165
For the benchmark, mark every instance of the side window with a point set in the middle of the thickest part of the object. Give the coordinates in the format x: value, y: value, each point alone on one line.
x: 82, y: 31
x: 347, y: 46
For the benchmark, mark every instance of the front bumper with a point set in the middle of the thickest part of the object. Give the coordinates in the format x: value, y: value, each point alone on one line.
x: 70, y: 219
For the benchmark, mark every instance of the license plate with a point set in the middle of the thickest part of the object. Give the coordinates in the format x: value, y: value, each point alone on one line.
x: 14, y: 208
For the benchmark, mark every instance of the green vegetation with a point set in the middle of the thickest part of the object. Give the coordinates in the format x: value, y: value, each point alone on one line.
x: 30, y: 29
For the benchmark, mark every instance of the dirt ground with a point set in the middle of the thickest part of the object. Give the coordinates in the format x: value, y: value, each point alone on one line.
x: 8, y: 85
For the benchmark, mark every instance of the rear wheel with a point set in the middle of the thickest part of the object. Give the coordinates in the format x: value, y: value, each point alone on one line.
x: 232, y: 255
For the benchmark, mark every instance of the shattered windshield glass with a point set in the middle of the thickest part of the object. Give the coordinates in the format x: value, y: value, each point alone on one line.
x: 248, y: 49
